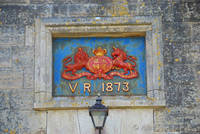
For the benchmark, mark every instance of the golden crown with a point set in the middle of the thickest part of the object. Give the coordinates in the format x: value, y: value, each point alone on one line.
x: 99, y: 51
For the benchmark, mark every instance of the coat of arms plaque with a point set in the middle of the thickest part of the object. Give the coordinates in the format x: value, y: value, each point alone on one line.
x: 89, y: 65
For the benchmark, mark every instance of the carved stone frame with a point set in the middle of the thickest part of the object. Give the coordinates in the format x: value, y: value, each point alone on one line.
x: 46, y: 29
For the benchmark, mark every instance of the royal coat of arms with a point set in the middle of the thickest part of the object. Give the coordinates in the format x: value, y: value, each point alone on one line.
x: 100, y: 66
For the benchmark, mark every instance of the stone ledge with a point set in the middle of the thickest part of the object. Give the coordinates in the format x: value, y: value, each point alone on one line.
x: 120, y: 102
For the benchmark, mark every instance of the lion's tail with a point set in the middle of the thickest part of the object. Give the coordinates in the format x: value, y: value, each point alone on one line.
x: 66, y: 61
x: 132, y: 59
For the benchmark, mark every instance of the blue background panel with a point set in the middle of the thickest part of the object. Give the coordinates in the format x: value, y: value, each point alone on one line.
x: 63, y: 47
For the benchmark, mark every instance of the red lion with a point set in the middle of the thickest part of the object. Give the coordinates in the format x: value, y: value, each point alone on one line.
x: 80, y: 60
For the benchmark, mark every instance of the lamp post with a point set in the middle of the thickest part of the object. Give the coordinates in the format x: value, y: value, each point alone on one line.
x: 98, y: 113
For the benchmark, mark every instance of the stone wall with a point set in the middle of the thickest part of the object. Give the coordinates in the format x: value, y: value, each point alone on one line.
x: 181, y: 39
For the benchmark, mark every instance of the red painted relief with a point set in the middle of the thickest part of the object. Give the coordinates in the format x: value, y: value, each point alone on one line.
x: 99, y: 65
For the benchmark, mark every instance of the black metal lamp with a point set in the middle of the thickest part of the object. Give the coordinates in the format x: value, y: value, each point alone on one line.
x: 98, y: 113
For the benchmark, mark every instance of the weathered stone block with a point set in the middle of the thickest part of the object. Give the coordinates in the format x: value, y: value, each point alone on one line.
x: 196, y: 32
x: 70, y: 124
x: 144, y: 8
x: 166, y: 11
x: 178, y: 52
x: 173, y: 96
x: 40, y: 1
x: 191, y: 119
x: 167, y: 133
x: 98, y: 1
x: 169, y: 120
x: 80, y: 122
x: 191, y: 11
x: 190, y: 96
x: 42, y: 98
x: 132, y: 9
x: 49, y: 1
x: 65, y: 1
x: 28, y: 77
x: 141, y: 121
x: 11, y: 79
x: 180, y: 94
x: 60, y: 10
x: 120, y: 9
x: 193, y: 57
x: 29, y: 36
x: 197, y: 72
x: 21, y: 99
x: 4, y: 99
x: 78, y: 10
x: 181, y: 53
x: 156, y: 10
x: 11, y: 35
x: 181, y: 73
x: 107, y: 9
x: 5, y: 56
x: 41, y: 10
x: 23, y: 14
x: 192, y: 47
x: 177, y: 31
x: 13, y: 14
x: 177, y: 8
x: 22, y: 56
x: 22, y: 122
x: 167, y: 53
x: 18, y: 99
x: 16, y: 1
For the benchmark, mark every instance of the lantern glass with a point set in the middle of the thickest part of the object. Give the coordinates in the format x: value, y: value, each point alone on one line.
x: 99, y: 118
x: 98, y: 113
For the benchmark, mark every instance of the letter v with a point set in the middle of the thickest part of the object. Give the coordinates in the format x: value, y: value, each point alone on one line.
x: 73, y: 89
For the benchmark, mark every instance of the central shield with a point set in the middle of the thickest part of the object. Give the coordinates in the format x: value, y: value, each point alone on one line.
x: 99, y: 64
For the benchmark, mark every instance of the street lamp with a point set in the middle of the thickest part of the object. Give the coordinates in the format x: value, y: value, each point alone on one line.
x: 98, y: 113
